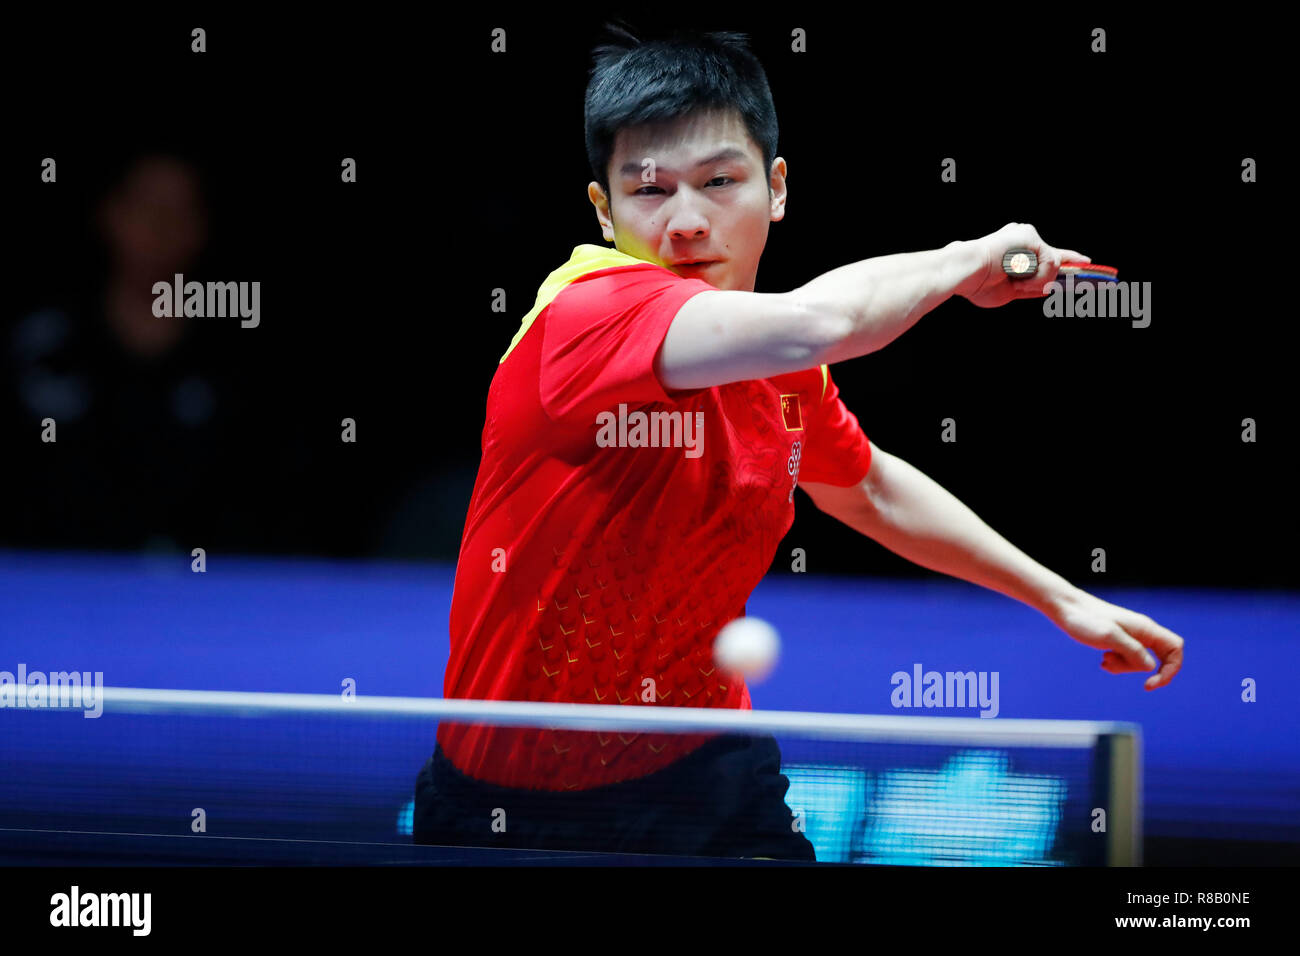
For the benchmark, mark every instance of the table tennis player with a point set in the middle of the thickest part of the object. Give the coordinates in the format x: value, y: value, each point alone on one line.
x: 601, y: 554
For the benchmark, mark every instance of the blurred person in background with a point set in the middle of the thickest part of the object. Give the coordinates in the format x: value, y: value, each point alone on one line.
x: 142, y: 405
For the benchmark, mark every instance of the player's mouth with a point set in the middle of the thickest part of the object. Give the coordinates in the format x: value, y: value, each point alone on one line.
x: 695, y: 263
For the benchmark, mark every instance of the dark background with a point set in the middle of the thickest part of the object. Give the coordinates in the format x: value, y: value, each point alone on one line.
x: 1073, y: 434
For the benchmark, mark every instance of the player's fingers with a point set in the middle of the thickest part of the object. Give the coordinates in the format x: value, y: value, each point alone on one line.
x: 1049, y: 264
x: 1134, y: 655
x: 1173, y: 663
x: 1152, y: 634
x: 1069, y: 255
x: 1116, y: 664
x: 1044, y: 284
x: 1167, y: 645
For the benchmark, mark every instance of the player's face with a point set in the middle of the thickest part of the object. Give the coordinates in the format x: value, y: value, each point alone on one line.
x: 692, y: 189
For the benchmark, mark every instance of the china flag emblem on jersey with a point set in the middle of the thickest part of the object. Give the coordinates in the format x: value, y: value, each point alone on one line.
x: 790, y: 413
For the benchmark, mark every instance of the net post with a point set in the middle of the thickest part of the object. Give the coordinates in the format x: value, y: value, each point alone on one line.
x: 1120, y: 758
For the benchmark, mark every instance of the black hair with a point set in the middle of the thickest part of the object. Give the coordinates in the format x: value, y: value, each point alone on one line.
x: 636, y: 81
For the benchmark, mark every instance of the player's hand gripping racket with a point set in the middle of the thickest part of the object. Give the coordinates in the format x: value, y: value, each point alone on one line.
x: 1023, y: 264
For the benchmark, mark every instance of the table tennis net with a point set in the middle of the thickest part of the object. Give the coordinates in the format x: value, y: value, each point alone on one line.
x: 861, y: 789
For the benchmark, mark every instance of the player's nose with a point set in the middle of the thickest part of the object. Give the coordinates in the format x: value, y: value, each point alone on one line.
x: 687, y: 222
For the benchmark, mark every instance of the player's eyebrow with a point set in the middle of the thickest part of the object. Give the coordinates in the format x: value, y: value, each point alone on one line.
x: 633, y: 167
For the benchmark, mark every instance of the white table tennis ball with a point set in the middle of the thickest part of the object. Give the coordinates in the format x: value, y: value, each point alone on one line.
x: 748, y: 646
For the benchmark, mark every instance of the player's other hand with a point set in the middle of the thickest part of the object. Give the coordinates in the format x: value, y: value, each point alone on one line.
x: 988, y: 286
x: 1123, y: 635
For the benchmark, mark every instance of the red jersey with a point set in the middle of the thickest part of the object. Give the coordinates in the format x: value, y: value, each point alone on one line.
x: 614, y: 528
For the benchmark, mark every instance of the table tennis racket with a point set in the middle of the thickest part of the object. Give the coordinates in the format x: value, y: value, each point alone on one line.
x: 1023, y: 264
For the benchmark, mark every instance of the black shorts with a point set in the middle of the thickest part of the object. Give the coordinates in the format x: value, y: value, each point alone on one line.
x: 726, y: 798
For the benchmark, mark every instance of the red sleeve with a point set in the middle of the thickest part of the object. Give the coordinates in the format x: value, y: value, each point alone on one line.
x: 838, y: 452
x: 600, y: 336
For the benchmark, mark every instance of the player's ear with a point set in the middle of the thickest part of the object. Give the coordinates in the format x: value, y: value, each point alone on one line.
x: 601, y: 201
x: 777, y: 189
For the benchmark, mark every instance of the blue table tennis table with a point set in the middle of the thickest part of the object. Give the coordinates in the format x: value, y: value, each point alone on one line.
x: 289, y: 625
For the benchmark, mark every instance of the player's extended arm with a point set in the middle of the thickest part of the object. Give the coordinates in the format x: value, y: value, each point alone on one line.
x: 913, y: 516
x: 722, y: 336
